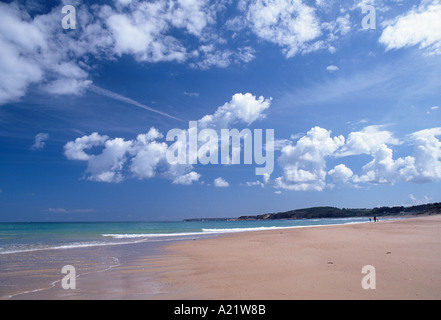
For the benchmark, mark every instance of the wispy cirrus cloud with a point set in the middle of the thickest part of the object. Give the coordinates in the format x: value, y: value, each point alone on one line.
x: 116, y: 96
x: 63, y: 210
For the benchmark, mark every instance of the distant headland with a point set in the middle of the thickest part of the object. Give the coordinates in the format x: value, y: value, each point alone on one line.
x: 333, y: 212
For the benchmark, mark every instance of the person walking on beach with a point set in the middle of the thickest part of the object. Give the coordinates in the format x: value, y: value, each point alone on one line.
x: 375, y: 218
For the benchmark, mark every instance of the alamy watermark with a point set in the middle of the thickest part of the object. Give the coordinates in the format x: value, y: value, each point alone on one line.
x: 69, y: 21
x: 369, y: 20
x: 369, y: 281
x: 69, y: 280
x: 194, y: 146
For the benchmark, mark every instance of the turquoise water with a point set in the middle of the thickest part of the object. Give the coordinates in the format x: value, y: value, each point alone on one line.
x: 30, y: 237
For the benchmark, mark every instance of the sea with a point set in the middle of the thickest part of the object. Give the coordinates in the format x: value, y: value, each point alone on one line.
x: 33, y: 254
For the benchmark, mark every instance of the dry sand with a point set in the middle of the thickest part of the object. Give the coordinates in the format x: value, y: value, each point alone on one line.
x: 310, y: 263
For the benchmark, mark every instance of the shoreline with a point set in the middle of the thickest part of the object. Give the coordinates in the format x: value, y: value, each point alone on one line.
x: 302, y: 262
x: 309, y: 263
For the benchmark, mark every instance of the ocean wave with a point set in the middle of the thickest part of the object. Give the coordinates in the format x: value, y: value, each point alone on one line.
x: 232, y: 230
x: 204, y: 231
x: 149, y: 235
x: 31, y: 248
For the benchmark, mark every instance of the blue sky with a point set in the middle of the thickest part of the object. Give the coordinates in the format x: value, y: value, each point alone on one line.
x: 84, y: 112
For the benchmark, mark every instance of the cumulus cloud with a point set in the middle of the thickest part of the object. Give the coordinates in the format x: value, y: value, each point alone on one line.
x: 187, y: 179
x: 116, y: 159
x: 147, y: 154
x: 341, y: 173
x: 221, y: 183
x: 367, y: 141
x: 383, y: 169
x: 244, y: 108
x: 421, y: 167
x: 18, y: 39
x: 304, y: 164
x: 75, y: 150
x: 420, y: 26
x: 426, y: 166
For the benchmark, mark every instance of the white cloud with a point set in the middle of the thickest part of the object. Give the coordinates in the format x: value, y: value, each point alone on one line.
x: 290, y: 24
x: 209, y: 56
x: 36, y: 50
x: 143, y: 29
x: 18, y: 39
x: 421, y: 167
x: 108, y: 165
x: 114, y: 160
x: 147, y: 154
x: 192, y: 94
x: 221, y: 183
x: 383, y: 169
x: 75, y: 150
x: 432, y: 109
x: 427, y: 156
x: 244, y: 108
x: 304, y: 165
x: 341, y: 173
x: 343, y: 24
x: 67, y: 86
x: 118, y: 159
x: 415, y: 201
x: 187, y: 179
x: 142, y: 37
x: 40, y: 139
x: 255, y: 183
x: 420, y: 26
x: 332, y: 68
x: 367, y: 141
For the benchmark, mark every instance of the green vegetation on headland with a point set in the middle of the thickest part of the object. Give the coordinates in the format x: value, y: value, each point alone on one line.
x: 332, y: 212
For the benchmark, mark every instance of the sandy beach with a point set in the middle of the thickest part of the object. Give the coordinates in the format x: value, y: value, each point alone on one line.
x: 322, y: 262
x: 310, y: 263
